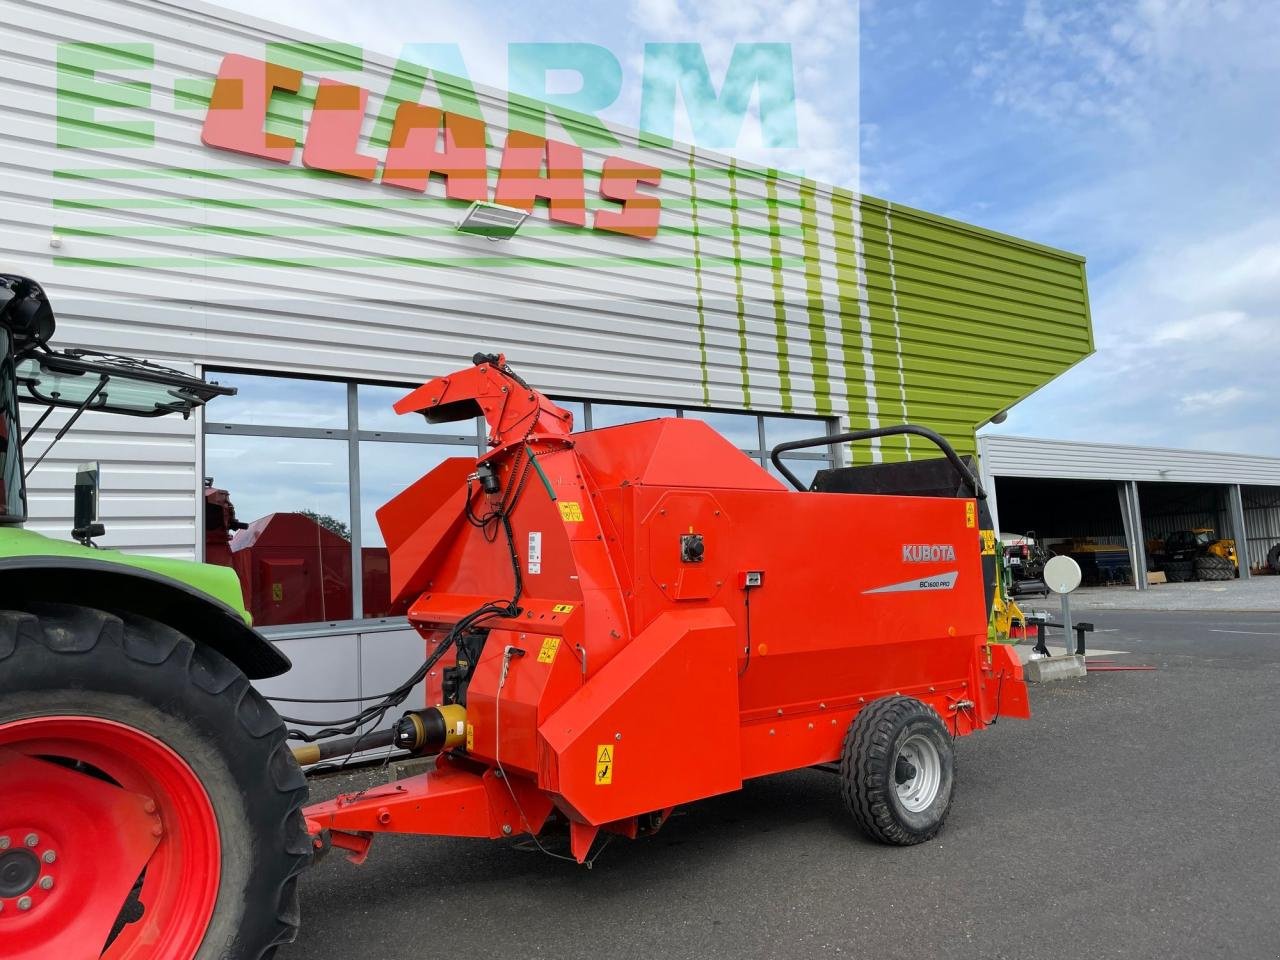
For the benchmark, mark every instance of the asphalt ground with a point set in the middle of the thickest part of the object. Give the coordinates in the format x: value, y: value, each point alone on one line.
x: 1136, y: 815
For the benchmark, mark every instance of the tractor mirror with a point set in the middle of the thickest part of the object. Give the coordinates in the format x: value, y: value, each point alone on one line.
x: 86, y: 525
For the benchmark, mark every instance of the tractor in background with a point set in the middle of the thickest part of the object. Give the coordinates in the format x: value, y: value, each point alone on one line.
x: 1198, y: 554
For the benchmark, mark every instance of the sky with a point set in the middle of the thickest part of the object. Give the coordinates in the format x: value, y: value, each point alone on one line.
x: 1143, y: 134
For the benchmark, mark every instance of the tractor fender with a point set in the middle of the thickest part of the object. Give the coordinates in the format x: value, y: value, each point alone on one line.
x: 110, y: 586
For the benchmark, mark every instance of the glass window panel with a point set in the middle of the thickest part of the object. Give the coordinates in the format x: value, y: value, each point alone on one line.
x: 783, y: 429
x: 612, y: 414
x: 740, y: 429
x: 279, y: 402
x: 386, y: 469
x: 805, y: 470
x: 578, y: 409
x: 294, y: 559
x: 376, y: 414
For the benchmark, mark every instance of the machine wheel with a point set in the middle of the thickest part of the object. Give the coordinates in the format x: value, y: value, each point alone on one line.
x: 151, y: 803
x: 1213, y: 567
x: 1273, y: 558
x: 897, y: 772
x: 1179, y: 571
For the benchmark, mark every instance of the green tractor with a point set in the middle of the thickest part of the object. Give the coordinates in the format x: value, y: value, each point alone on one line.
x: 150, y: 806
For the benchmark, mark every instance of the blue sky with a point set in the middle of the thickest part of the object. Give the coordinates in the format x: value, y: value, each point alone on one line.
x: 1142, y: 134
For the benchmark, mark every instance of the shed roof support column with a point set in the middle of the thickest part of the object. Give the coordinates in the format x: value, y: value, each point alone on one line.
x: 1131, y: 514
x: 1235, y: 511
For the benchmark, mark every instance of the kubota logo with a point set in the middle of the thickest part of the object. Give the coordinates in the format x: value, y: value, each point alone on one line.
x: 927, y: 552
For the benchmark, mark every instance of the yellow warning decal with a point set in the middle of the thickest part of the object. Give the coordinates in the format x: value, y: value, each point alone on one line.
x: 988, y: 543
x: 970, y: 514
x: 562, y: 608
x: 604, y: 764
x: 548, y: 652
x: 570, y: 511
x: 471, y: 737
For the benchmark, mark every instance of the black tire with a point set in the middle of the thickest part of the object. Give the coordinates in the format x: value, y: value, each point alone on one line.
x: 869, y: 770
x: 1213, y: 567
x: 71, y: 660
x: 1273, y: 558
x: 1179, y: 571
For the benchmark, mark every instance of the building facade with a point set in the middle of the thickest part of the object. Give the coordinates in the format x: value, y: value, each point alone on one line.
x: 281, y: 213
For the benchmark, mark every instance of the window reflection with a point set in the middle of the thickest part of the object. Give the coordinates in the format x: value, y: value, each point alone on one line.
x: 805, y: 470
x: 612, y: 414
x: 374, y: 404
x: 386, y: 470
x: 279, y: 402
x: 278, y: 513
x: 740, y: 429
x: 782, y: 429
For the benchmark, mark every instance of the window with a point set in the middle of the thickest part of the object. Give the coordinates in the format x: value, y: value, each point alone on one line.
x: 296, y: 470
x: 305, y: 464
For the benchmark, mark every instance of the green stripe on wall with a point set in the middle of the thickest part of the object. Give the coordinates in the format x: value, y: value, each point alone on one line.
x: 697, y: 278
x: 740, y: 302
x: 779, y: 294
x: 814, y: 307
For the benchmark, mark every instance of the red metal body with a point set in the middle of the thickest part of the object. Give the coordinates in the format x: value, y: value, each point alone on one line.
x: 650, y: 680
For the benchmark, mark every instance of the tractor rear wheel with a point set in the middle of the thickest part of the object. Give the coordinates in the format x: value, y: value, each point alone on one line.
x: 1214, y: 567
x: 897, y: 772
x: 151, y: 804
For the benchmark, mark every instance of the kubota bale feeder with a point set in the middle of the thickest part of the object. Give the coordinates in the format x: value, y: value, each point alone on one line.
x: 621, y: 621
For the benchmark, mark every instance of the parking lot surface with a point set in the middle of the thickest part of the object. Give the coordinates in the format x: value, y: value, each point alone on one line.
x: 1136, y: 815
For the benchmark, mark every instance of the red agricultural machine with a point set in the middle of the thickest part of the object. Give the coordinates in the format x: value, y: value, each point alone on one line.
x: 625, y: 620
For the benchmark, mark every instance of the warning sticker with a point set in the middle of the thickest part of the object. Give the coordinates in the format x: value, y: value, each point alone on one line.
x: 970, y: 514
x: 548, y: 652
x: 471, y: 737
x: 604, y: 764
x: 562, y: 608
x: 988, y: 543
x: 570, y: 511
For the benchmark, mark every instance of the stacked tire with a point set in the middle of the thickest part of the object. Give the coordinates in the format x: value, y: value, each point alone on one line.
x: 1213, y: 567
x: 1179, y: 571
x: 1273, y: 558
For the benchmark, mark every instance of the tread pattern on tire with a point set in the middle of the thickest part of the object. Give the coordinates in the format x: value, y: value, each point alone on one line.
x: 865, y: 792
x: 1179, y: 571
x: 1213, y: 567
x: 67, y: 629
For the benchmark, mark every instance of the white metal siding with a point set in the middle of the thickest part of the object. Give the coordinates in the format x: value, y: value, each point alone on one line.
x: 1069, y: 460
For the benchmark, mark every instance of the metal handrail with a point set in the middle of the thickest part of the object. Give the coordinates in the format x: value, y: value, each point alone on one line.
x: 967, y: 475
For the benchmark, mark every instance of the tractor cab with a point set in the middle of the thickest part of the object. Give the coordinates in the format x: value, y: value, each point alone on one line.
x: 31, y: 372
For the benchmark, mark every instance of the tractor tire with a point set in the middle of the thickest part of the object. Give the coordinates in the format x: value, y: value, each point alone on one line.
x: 897, y: 772
x: 1273, y: 558
x: 1213, y: 567
x: 98, y: 709
x: 1180, y: 571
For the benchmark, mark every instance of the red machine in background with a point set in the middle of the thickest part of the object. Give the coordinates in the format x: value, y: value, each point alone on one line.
x: 621, y: 621
x: 292, y: 567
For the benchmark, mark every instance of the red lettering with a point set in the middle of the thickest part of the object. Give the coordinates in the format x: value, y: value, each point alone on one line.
x: 640, y: 215
x: 521, y: 180
x: 412, y: 156
x: 334, y: 131
x: 238, y: 108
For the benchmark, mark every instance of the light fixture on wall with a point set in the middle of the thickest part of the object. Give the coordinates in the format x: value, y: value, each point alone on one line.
x: 1000, y: 417
x: 492, y: 220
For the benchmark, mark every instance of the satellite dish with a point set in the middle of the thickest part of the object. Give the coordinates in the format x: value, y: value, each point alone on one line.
x: 1062, y: 574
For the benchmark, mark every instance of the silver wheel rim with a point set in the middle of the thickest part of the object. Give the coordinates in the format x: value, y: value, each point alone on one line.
x: 918, y: 791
